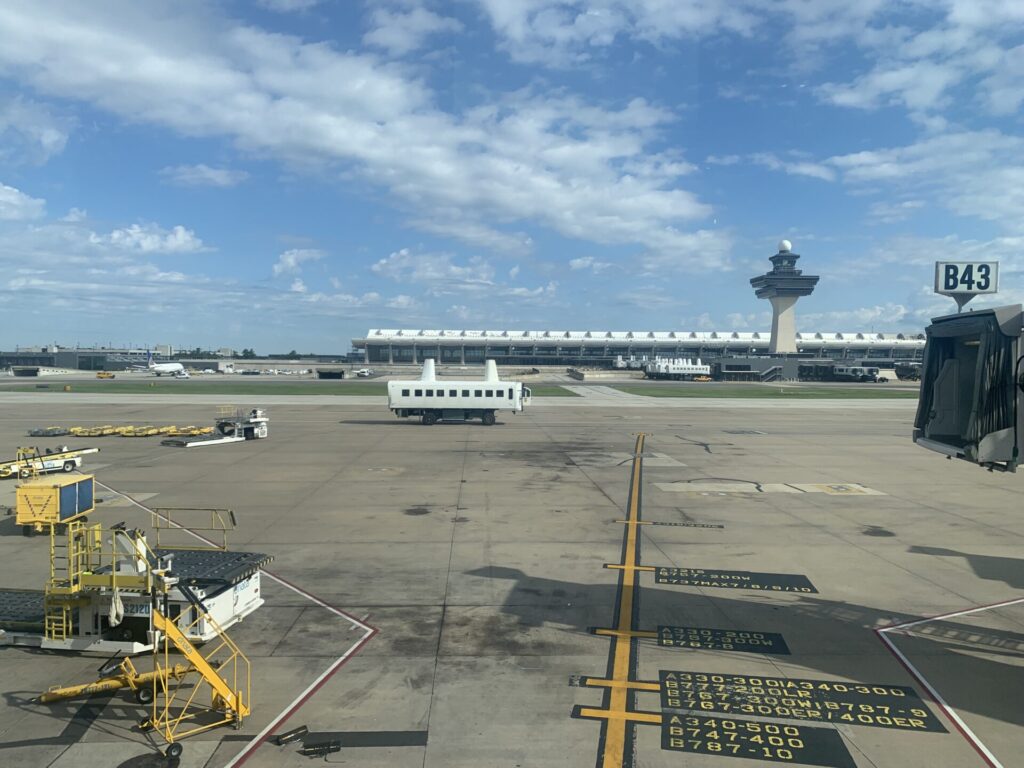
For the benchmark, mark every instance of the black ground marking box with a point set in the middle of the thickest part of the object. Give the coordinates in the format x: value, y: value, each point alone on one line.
x: 755, y: 740
x: 707, y: 639
x: 705, y: 577
x: 877, y: 705
x: 687, y: 525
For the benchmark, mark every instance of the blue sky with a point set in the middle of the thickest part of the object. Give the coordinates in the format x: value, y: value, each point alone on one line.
x: 285, y: 174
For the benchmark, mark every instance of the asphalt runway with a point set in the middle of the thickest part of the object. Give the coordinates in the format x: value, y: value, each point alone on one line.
x: 773, y: 582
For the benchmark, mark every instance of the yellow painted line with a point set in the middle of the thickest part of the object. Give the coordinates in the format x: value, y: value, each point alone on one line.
x: 627, y: 633
x: 620, y: 719
x: 617, y: 715
x: 638, y: 522
x: 636, y: 685
x: 618, y: 567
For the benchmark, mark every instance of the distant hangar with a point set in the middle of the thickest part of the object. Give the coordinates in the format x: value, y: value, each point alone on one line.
x: 601, y: 348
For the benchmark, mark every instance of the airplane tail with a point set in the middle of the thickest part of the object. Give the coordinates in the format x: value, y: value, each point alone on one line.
x: 149, y: 360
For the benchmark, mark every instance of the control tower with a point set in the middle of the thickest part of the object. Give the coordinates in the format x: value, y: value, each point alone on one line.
x: 782, y: 286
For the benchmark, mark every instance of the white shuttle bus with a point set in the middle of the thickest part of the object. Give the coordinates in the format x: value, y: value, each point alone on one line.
x: 452, y: 400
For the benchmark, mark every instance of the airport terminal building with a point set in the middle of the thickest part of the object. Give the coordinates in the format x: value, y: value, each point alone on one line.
x: 601, y: 348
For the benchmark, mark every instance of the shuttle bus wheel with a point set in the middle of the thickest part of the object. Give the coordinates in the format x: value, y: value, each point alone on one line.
x: 487, y: 418
x: 429, y: 418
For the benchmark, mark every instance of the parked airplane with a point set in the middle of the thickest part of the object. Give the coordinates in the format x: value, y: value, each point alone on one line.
x: 171, y: 369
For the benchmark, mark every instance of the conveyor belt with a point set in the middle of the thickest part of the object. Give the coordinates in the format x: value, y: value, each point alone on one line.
x: 213, y: 566
x: 21, y: 609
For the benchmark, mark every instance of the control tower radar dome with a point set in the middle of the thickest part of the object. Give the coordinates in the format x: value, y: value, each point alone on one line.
x: 785, y: 245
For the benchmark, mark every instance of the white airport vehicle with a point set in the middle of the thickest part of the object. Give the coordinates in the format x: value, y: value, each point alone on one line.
x: 32, y: 460
x: 171, y: 369
x: 678, y: 369
x: 182, y: 374
x: 456, y: 400
x: 364, y: 372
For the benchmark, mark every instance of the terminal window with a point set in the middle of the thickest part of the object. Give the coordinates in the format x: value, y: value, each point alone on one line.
x: 405, y: 393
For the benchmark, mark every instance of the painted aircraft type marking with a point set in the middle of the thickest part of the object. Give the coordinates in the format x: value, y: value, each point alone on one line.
x: 877, y: 705
x: 702, y: 577
x: 705, y: 638
x: 754, y: 739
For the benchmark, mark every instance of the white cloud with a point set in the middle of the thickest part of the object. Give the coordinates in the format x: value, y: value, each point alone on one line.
x: 401, y: 301
x: 561, y: 33
x: 972, y: 173
x: 891, y: 212
x: 402, y: 30
x: 589, y: 263
x: 75, y: 215
x: 15, y: 205
x: 460, y: 312
x: 31, y: 131
x: 794, y: 167
x: 288, y: 6
x: 722, y: 159
x: 335, y: 283
x: 202, y: 175
x: 879, y: 316
x: 436, y: 270
x: 551, y: 160
x: 292, y: 260
x: 514, y: 272
x: 151, y: 238
x: 298, y: 286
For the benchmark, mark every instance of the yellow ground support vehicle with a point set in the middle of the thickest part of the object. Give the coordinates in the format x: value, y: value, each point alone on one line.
x: 32, y: 461
x: 104, y: 375
x: 47, y: 502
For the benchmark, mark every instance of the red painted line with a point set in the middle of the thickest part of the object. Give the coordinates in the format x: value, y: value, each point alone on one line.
x: 951, y: 716
x: 294, y: 707
x: 949, y: 615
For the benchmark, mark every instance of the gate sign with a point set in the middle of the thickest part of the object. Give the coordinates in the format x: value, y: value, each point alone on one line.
x: 973, y: 277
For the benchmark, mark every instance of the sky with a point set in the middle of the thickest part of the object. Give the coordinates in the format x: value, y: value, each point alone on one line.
x: 286, y: 174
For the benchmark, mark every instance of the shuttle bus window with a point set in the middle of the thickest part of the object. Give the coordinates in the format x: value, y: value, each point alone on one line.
x: 489, y: 393
x: 419, y: 393
x: 510, y: 393
x: 465, y: 393
x: 453, y: 393
x: 479, y: 393
x: 405, y: 393
x: 430, y: 393
x: 440, y: 393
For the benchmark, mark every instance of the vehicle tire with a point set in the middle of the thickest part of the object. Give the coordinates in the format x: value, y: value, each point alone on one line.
x: 23, y: 473
x: 488, y: 418
x: 69, y: 466
x: 144, y: 695
x: 173, y: 750
x: 430, y: 419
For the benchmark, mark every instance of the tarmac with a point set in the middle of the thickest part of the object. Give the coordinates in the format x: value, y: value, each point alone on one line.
x: 792, y: 580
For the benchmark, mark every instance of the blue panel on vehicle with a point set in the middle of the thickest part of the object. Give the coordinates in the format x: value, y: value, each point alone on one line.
x: 85, y: 493
x: 68, y: 501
